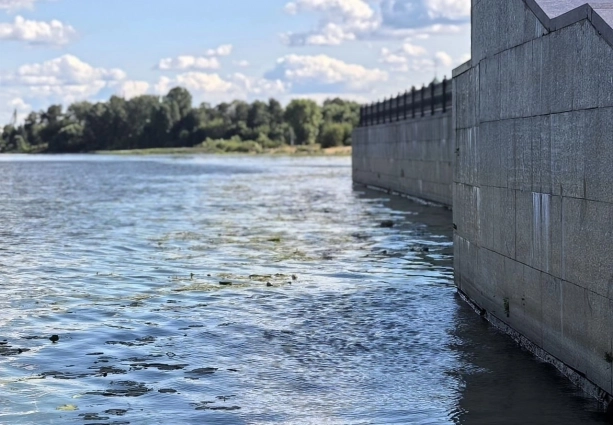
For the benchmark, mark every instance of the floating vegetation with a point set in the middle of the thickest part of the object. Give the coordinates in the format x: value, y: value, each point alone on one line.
x: 67, y: 408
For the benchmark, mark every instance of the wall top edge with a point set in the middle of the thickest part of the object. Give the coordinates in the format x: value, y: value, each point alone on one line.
x: 557, y: 14
x: 461, y: 69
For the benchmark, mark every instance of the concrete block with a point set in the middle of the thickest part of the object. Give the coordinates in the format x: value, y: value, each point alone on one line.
x: 588, y: 67
x: 604, y: 57
x: 541, y: 77
x: 567, y: 153
x: 467, y: 274
x: 487, y: 217
x: 599, y: 333
x: 574, y: 325
x: 588, y: 244
x: 518, y: 83
x: 505, y: 225
x: 524, y: 228
x: 541, y: 155
x: 496, y: 211
x: 553, y: 338
x: 490, y: 99
x: 560, y: 70
x: 465, y: 211
x: 520, y: 171
x: 465, y: 103
x: 491, y: 282
x: 524, y: 300
x: 599, y: 155
x: 481, y: 12
x: 494, y: 152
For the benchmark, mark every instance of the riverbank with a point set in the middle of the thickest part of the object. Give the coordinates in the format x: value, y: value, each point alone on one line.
x: 304, y: 150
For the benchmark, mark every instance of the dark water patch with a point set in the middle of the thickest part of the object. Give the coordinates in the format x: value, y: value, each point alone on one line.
x: 123, y: 389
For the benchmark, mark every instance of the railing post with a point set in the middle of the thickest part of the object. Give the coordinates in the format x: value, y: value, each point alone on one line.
x: 432, y: 87
x: 423, y: 99
x: 445, y: 94
x: 413, y: 102
x: 398, y: 107
x: 377, y: 112
x: 405, y: 105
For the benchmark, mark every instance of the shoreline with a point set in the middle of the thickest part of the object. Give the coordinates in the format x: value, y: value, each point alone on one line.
x: 282, y: 151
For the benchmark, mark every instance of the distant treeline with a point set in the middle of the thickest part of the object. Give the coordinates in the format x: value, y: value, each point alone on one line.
x: 170, y: 121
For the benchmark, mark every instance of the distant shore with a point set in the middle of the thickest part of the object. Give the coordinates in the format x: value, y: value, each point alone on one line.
x: 304, y: 150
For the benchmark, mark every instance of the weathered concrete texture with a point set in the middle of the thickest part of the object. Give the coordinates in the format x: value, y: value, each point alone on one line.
x: 533, y: 180
x: 413, y: 157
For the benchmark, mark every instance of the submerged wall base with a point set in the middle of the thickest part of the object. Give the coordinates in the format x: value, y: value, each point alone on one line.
x: 576, y: 377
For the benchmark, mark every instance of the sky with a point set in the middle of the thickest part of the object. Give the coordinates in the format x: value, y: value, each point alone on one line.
x: 61, y: 51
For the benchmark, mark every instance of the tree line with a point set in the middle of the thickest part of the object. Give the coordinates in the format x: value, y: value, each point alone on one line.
x: 171, y: 121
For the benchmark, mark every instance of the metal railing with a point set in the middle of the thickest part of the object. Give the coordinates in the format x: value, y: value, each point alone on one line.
x: 435, y: 98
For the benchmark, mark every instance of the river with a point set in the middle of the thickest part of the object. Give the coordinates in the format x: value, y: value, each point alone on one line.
x: 243, y: 290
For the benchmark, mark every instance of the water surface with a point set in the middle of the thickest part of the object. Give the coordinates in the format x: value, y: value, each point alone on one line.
x: 245, y: 290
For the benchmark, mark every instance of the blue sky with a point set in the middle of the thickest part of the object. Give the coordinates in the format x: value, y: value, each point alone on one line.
x: 60, y: 51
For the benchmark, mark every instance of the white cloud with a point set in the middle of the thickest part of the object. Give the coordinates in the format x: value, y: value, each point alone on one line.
x: 182, y: 63
x: 214, y: 88
x: 132, y: 88
x: 347, y: 20
x: 37, y: 32
x: 451, y: 9
x: 257, y: 87
x: 19, y: 104
x: 194, y: 81
x: 322, y: 70
x: 347, y: 10
x: 223, y: 50
x: 12, y: 5
x: 403, y: 58
x: 64, y: 79
x: 397, y: 62
x: 242, y: 63
x: 342, y: 20
x: 443, y: 59
x: 407, y: 58
x: 413, y: 50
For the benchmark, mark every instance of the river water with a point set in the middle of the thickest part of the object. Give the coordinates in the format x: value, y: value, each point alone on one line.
x: 243, y: 290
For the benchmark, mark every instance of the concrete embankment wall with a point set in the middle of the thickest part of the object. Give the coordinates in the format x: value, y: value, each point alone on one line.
x: 413, y: 157
x: 533, y: 182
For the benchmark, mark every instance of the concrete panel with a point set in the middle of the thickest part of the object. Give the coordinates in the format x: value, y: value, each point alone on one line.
x: 496, y: 211
x: 561, y: 70
x: 541, y: 159
x: 553, y: 338
x: 489, y: 89
x: 588, y: 67
x: 599, y: 155
x: 574, y: 325
x: 524, y: 300
x: 491, y: 282
x: 600, y: 322
x: 588, y: 244
x: 520, y: 172
x: 567, y: 153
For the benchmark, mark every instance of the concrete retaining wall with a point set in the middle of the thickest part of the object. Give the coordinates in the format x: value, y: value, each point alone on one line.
x: 533, y: 181
x: 414, y: 157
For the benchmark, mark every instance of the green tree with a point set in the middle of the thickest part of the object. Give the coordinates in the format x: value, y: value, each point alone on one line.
x: 304, y: 117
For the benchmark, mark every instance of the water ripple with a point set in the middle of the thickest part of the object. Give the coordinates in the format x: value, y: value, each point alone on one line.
x: 238, y: 291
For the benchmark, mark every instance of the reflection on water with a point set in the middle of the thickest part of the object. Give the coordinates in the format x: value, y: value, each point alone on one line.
x: 243, y: 291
